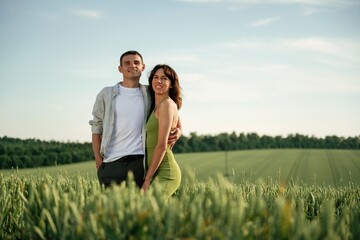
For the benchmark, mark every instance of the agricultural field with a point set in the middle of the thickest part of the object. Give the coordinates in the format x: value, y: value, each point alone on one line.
x: 307, y: 166
x: 266, y: 194
x: 321, y: 167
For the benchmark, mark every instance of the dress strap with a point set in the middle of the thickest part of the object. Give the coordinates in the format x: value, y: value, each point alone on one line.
x: 160, y: 103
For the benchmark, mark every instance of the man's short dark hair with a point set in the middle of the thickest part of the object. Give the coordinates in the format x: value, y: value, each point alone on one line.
x: 131, y: 52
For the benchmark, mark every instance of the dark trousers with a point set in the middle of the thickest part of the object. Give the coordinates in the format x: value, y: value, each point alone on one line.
x: 117, y: 171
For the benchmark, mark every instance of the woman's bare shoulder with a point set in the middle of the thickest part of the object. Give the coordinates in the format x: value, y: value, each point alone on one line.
x: 167, y: 103
x: 171, y: 104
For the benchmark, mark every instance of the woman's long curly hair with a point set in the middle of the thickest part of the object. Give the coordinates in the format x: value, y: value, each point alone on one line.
x: 175, y: 89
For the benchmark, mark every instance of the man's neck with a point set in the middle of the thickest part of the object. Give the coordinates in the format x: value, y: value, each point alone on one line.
x: 130, y: 84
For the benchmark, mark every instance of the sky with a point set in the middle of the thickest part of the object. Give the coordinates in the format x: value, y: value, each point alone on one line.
x: 274, y: 67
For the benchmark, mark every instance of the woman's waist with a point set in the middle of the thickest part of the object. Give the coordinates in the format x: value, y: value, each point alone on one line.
x: 153, y: 148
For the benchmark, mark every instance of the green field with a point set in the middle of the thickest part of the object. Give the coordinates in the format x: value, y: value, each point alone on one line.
x: 305, y: 166
x: 323, y: 167
x: 303, y: 194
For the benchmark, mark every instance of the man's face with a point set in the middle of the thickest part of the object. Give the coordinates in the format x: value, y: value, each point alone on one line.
x: 131, y: 66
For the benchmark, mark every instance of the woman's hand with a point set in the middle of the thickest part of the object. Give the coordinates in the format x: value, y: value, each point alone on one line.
x: 145, y: 185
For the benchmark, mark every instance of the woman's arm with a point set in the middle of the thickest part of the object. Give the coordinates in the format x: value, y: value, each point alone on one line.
x: 166, y: 113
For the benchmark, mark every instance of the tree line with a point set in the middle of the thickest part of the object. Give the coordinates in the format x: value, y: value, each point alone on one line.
x: 233, y: 141
x: 29, y: 153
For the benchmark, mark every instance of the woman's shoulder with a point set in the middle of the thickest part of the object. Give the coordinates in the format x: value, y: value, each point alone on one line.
x: 168, y: 104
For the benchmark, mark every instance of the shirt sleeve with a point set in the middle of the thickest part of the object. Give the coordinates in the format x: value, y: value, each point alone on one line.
x: 98, y: 114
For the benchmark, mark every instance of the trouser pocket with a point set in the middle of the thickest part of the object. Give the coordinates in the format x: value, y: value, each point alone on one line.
x: 100, y: 170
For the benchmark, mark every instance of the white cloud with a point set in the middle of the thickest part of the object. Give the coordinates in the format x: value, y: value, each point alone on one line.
x: 253, y: 70
x: 86, y: 13
x: 313, y: 44
x: 321, y: 2
x: 246, y: 44
x: 308, y: 10
x: 265, y: 21
x: 348, y: 50
x: 200, y: 1
x: 343, y: 51
x: 333, y: 3
x: 174, y: 59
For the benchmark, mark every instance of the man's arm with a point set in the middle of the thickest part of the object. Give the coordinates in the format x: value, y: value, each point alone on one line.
x: 96, y: 143
x: 97, y: 126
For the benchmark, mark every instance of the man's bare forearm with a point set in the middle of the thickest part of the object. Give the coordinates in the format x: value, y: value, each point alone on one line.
x: 96, y: 143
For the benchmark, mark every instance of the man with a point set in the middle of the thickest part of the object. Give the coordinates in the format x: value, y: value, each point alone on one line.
x: 119, y: 125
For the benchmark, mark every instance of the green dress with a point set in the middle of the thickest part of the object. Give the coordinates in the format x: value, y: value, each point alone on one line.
x: 168, y: 174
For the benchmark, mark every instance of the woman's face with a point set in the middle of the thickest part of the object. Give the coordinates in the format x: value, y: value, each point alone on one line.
x: 161, y: 83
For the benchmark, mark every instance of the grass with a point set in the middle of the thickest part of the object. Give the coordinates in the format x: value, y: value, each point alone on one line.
x: 267, y: 194
x: 306, y: 166
x: 75, y: 207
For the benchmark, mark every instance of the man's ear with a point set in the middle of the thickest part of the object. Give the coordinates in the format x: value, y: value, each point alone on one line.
x: 120, y: 69
x: 143, y: 67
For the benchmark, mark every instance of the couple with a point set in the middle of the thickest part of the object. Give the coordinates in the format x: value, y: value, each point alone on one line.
x: 125, y: 138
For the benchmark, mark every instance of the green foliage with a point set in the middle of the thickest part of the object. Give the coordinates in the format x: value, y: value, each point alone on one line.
x: 301, y: 166
x: 63, y: 207
x: 233, y: 141
x: 29, y: 153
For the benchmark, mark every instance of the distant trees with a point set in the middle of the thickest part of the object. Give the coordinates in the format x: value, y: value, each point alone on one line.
x: 18, y: 153
x: 233, y: 141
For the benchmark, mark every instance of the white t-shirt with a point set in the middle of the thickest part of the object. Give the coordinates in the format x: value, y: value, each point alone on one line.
x: 126, y: 138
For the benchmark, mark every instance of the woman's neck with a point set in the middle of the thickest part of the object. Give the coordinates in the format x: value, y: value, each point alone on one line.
x: 159, y: 99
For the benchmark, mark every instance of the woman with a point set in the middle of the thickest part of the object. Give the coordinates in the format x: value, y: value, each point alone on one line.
x: 165, y: 93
